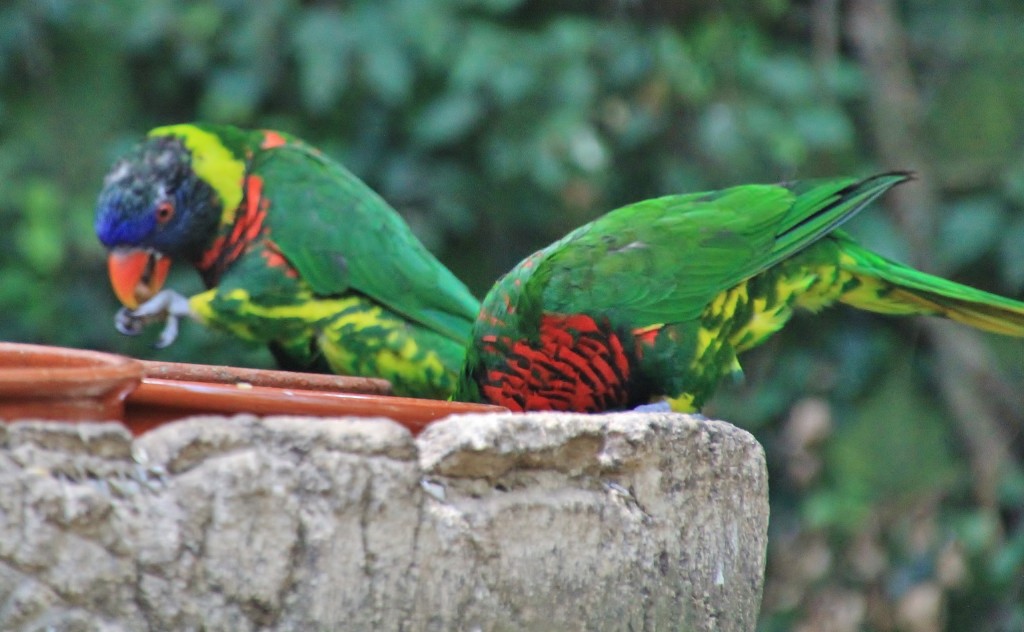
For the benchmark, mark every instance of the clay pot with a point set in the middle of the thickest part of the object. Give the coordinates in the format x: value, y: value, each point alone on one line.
x: 172, y: 390
x: 185, y: 372
x: 157, y: 401
x: 42, y: 382
x: 56, y: 383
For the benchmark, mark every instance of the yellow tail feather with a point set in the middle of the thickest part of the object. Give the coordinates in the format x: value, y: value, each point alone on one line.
x: 887, y: 287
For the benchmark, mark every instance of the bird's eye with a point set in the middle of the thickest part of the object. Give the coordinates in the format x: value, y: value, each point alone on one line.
x: 164, y: 211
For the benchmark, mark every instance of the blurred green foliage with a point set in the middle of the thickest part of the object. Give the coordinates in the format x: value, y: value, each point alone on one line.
x: 495, y: 126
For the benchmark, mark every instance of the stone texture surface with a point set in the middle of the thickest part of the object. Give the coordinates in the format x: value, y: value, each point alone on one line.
x: 489, y: 522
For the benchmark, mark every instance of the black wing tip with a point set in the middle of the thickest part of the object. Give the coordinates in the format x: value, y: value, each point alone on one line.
x: 877, y: 184
x: 883, y: 181
x: 867, y: 189
x: 897, y: 176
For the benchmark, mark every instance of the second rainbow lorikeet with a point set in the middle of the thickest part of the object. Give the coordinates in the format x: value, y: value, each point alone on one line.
x: 295, y: 250
x: 650, y: 305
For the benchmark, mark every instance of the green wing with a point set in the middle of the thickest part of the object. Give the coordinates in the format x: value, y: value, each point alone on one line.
x: 340, y: 236
x: 663, y: 260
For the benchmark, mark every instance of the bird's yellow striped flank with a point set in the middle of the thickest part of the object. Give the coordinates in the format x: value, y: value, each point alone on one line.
x: 356, y: 336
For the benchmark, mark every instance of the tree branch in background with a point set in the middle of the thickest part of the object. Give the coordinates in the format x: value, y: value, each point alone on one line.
x: 964, y: 365
x: 825, y: 21
x: 895, y: 111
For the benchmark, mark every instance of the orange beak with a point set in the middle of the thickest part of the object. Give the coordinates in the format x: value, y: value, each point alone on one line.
x: 136, y: 274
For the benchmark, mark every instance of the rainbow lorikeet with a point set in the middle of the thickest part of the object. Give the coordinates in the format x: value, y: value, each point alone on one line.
x: 295, y: 250
x: 648, y: 306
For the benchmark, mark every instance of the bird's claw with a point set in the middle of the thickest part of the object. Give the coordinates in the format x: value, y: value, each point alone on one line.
x: 169, y: 333
x: 660, y: 406
x: 126, y: 323
x: 166, y: 305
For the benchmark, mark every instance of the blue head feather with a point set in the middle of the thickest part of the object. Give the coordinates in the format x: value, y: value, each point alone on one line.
x: 157, y: 171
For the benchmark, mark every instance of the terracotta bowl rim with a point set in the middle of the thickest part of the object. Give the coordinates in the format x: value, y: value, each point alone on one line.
x: 95, y: 365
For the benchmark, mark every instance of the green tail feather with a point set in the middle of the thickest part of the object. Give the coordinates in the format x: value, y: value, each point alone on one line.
x: 889, y: 287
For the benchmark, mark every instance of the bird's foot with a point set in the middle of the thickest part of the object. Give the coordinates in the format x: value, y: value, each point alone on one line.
x: 654, y: 407
x: 663, y: 406
x: 166, y: 305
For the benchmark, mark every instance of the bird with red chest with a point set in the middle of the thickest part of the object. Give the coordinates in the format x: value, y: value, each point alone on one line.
x: 649, y: 306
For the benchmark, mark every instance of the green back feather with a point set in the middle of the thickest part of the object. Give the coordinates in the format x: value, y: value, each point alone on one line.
x: 340, y: 235
x: 663, y: 260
